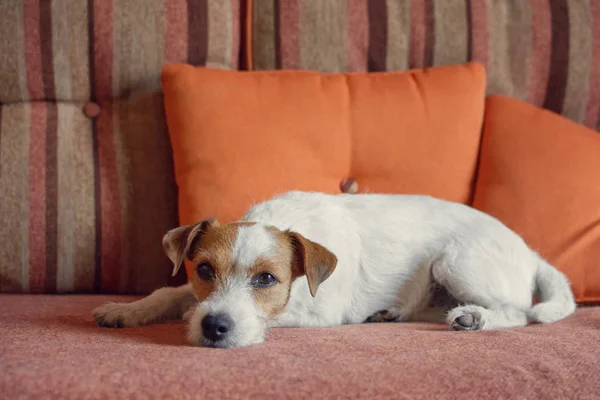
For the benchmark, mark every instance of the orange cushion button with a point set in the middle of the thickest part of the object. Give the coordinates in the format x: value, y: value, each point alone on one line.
x: 349, y: 185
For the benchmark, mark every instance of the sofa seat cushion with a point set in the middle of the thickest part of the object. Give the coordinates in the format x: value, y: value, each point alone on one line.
x: 51, y: 348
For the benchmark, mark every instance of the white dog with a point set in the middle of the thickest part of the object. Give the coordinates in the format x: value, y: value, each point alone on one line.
x: 311, y: 259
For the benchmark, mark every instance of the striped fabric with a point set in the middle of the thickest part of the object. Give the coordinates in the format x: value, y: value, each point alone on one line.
x: 74, y: 50
x: 85, y: 201
x: 545, y: 52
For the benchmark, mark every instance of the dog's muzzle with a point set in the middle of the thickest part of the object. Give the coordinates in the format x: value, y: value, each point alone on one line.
x: 216, y: 328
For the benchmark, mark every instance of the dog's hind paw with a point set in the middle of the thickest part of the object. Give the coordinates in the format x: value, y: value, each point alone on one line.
x: 465, y: 318
x: 114, y: 315
x: 384, y: 316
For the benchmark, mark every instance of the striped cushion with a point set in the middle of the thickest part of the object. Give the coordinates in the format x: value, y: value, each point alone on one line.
x: 545, y: 52
x: 85, y: 201
x: 73, y: 222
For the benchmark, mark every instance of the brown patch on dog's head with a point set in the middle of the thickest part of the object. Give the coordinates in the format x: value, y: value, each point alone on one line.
x: 273, y: 299
x: 215, y: 249
x: 283, y: 255
x: 313, y: 260
x: 178, y: 242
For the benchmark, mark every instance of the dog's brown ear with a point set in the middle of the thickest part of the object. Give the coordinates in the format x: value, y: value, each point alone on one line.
x: 178, y: 242
x: 311, y: 259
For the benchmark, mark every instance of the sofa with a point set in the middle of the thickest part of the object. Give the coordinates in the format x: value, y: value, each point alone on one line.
x: 88, y: 188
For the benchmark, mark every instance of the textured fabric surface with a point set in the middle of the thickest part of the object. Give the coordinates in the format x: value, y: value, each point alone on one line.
x: 77, y: 49
x: 85, y: 215
x: 545, y: 52
x: 539, y: 173
x: 85, y: 201
x: 51, y: 348
x: 242, y: 137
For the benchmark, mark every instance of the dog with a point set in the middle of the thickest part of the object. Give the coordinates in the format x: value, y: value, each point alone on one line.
x: 307, y: 259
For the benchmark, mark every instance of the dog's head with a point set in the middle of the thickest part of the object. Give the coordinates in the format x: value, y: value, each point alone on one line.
x: 243, y: 276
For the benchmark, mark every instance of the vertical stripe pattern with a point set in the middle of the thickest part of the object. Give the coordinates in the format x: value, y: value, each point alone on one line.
x: 37, y: 197
x: 97, y: 245
x: 51, y: 197
x: 33, y: 54
x: 109, y: 218
x: 12, y: 62
x: 326, y: 23
x: 265, y: 25
x: 14, y: 207
x: 176, y: 36
x: 279, y: 36
x: 418, y: 32
x: 234, y: 37
x: 219, y: 50
x: 179, y: 31
x: 197, y: 26
x: 287, y: 44
x: 477, y: 30
x: 559, y: 61
x: 60, y: 55
x: 539, y: 66
x: 398, y: 27
x: 451, y: 32
x: 430, y: 38
x: 87, y: 200
x: 592, y: 111
x: 545, y: 52
x: 1, y: 109
x: 76, y: 164
x: 51, y: 166
x: 378, y: 35
x: 578, y: 73
x: 358, y: 35
x: 512, y: 54
x: 66, y: 206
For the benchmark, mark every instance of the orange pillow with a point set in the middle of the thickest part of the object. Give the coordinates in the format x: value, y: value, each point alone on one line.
x: 540, y: 174
x: 240, y: 137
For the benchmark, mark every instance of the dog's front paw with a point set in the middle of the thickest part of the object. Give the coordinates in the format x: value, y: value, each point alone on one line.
x: 384, y: 316
x: 114, y: 315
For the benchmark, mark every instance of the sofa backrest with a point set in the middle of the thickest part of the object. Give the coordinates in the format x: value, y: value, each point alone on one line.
x: 86, y: 174
x: 546, y: 52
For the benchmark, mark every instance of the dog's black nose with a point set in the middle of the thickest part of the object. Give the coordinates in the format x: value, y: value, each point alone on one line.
x: 216, y: 327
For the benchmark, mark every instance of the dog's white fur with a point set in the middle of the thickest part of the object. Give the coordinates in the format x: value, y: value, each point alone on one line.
x: 236, y: 301
x: 390, y: 249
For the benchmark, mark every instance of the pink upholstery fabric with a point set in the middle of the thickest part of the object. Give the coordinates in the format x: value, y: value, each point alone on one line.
x: 51, y: 348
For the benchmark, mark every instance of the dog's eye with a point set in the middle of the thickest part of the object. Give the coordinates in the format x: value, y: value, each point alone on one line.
x: 263, y: 280
x: 205, y: 271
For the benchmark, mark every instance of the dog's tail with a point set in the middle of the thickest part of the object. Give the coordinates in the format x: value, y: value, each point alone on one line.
x: 554, y: 293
